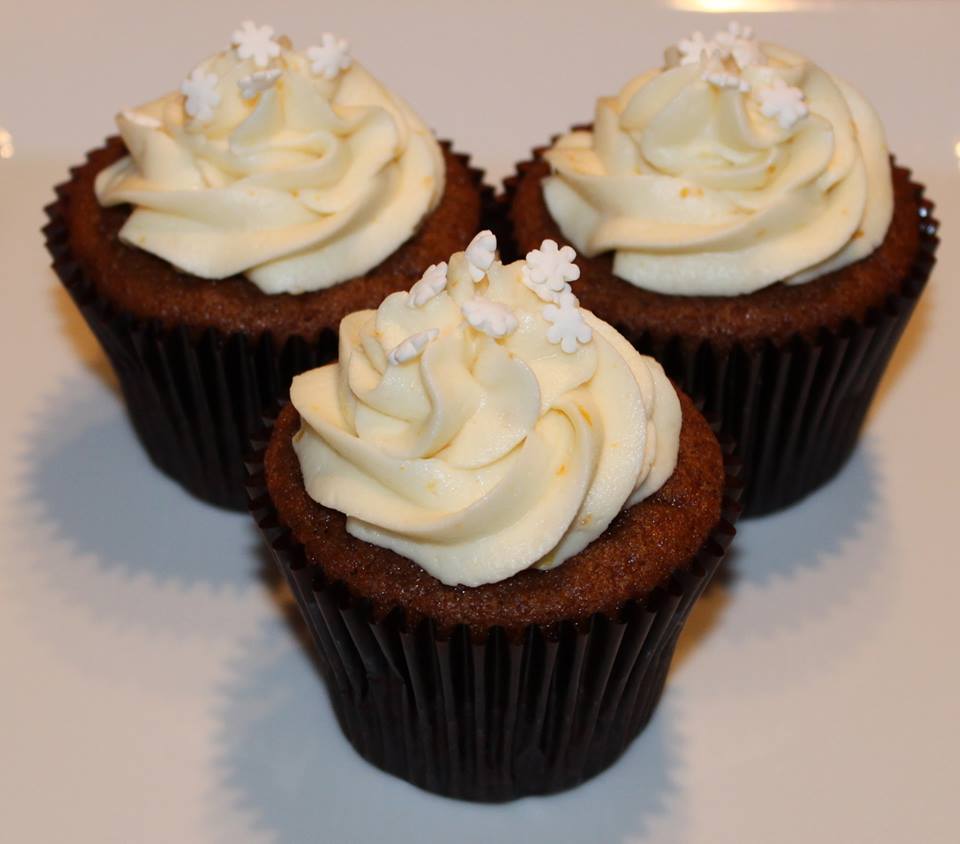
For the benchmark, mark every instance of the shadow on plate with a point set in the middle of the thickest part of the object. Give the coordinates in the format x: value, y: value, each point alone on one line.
x: 285, y: 604
x: 88, y: 483
x: 287, y: 767
x: 802, y: 537
x: 799, y: 549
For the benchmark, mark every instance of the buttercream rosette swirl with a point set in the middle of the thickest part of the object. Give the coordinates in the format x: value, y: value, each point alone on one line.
x: 297, y: 169
x: 735, y: 166
x: 482, y: 427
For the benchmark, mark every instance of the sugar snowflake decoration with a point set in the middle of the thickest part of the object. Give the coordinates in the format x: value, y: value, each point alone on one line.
x: 548, y: 270
x: 568, y: 328
x: 431, y: 284
x: 258, y: 82
x: 783, y: 102
x: 492, y: 318
x: 723, y: 56
x: 692, y: 49
x: 739, y: 43
x: 200, y: 89
x: 480, y: 254
x: 717, y: 75
x: 735, y: 31
x: 330, y: 57
x: 412, y: 347
x: 255, y: 42
x: 144, y: 120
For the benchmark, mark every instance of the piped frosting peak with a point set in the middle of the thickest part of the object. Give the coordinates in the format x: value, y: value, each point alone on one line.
x: 735, y: 166
x: 480, y: 430
x: 297, y: 169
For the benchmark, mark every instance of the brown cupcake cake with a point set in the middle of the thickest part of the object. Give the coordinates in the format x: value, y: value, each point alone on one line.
x: 216, y: 244
x: 495, y: 516
x: 744, y: 224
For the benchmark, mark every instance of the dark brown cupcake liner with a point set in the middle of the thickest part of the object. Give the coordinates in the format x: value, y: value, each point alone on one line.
x: 794, y: 409
x: 497, y: 717
x: 195, y: 400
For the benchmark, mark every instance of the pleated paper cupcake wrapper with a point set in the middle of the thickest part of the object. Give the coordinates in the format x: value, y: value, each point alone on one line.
x: 491, y: 719
x: 195, y: 400
x: 794, y: 410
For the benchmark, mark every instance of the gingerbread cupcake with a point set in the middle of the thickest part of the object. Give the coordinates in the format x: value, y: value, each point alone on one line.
x: 215, y: 245
x: 743, y: 222
x: 495, y: 515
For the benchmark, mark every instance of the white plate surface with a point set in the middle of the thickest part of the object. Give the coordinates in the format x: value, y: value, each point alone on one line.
x: 151, y: 691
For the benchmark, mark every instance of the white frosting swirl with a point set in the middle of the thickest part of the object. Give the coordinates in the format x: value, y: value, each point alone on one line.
x: 480, y: 452
x: 735, y: 167
x: 293, y: 178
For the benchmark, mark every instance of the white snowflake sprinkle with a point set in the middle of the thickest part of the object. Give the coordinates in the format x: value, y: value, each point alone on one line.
x: 717, y: 75
x: 734, y: 32
x: 739, y: 43
x: 736, y: 43
x: 568, y: 328
x: 332, y: 56
x: 431, y: 283
x: 492, y: 318
x: 412, y: 347
x: 200, y: 89
x: 480, y: 254
x: 692, y: 48
x: 144, y: 120
x: 256, y: 42
x: 548, y: 270
x: 258, y: 82
x: 783, y: 102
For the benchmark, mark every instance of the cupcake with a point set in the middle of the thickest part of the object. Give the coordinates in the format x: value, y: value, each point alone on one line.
x: 215, y: 245
x: 495, y: 515
x: 743, y: 222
